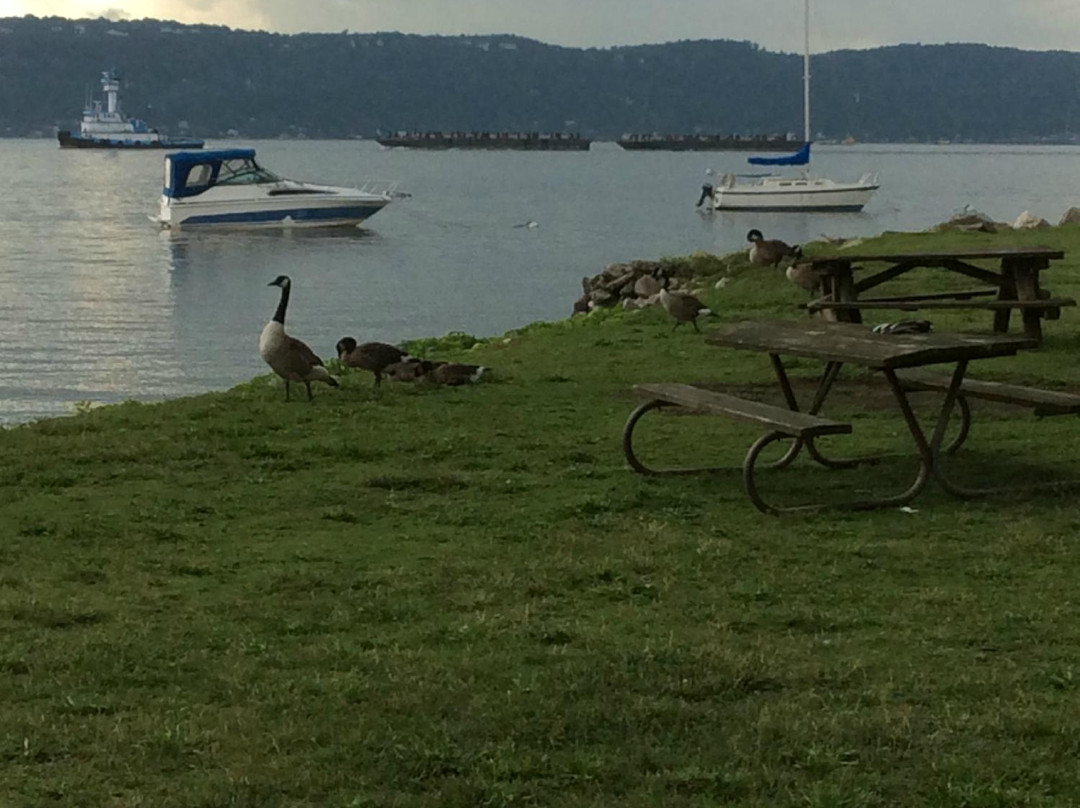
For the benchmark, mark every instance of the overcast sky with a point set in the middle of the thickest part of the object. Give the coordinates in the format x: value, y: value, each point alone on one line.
x: 774, y: 24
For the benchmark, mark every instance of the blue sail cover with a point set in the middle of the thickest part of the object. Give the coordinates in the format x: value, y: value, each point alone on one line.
x: 799, y: 158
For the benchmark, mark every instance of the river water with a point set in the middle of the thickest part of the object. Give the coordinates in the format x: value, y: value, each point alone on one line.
x: 97, y: 304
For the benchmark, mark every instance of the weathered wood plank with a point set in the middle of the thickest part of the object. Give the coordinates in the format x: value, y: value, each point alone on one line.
x: 1045, y: 402
x: 858, y: 345
x: 879, y: 278
x: 778, y: 419
x: 959, y: 294
x: 915, y: 305
x: 988, y: 254
x: 978, y: 273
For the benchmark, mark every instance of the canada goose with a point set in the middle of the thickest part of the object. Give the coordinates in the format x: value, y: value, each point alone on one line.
x: 373, y: 356
x: 450, y: 374
x: 407, y: 370
x: 806, y: 276
x: 769, y: 253
x: 290, y: 358
x: 684, y: 307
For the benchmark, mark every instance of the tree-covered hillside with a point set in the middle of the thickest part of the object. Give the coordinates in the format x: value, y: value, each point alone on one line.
x: 214, y: 79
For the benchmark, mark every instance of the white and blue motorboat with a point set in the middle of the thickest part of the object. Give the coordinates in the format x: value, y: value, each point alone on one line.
x: 105, y: 126
x: 227, y: 187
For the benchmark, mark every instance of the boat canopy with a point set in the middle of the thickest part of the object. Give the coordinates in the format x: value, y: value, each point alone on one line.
x: 799, y: 158
x: 191, y: 173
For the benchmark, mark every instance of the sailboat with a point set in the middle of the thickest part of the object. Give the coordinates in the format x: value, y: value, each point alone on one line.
x: 804, y: 192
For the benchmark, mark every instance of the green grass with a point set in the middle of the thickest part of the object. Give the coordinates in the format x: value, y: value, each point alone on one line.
x: 463, y: 597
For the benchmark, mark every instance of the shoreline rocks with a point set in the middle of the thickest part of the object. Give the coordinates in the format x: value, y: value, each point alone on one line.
x: 632, y: 285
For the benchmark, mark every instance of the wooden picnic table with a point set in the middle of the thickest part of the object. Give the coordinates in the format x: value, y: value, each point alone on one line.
x: 837, y: 344
x: 1013, y: 285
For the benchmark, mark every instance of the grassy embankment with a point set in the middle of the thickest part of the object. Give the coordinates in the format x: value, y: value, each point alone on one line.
x: 464, y: 597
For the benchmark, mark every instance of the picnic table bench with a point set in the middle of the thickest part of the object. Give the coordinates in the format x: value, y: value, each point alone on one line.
x: 1015, y: 285
x: 899, y: 357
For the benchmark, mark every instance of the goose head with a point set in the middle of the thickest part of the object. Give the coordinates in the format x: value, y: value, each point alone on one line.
x: 281, y: 280
x: 344, y: 346
x: 754, y: 236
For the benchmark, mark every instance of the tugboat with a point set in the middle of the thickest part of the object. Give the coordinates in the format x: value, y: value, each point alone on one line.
x: 104, y: 126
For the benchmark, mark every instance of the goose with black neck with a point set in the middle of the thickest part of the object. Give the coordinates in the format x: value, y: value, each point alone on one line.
x: 288, y: 357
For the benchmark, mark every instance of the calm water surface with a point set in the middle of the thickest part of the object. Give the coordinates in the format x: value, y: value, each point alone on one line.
x: 97, y: 304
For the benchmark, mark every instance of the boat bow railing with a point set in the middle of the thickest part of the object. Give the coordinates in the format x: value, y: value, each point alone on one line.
x: 379, y: 187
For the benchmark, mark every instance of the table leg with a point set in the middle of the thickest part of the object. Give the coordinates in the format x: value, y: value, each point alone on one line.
x: 1006, y: 291
x: 1027, y: 288
x: 844, y: 292
x: 953, y: 396
x: 832, y: 371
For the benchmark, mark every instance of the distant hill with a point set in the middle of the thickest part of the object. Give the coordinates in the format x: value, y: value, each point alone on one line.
x: 214, y: 81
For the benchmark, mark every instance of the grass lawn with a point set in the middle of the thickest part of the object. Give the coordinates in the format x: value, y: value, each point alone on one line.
x: 463, y: 597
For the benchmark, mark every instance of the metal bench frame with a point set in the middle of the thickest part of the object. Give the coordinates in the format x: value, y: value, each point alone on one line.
x: 1042, y: 402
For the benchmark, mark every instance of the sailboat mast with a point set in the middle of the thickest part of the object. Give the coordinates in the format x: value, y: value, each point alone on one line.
x: 806, y: 71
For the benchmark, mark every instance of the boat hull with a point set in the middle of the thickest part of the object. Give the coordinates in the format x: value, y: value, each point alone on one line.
x: 340, y: 212
x: 68, y: 140
x: 807, y: 195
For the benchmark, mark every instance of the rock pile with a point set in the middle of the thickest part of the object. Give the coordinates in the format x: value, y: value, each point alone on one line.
x: 635, y: 285
x: 973, y: 220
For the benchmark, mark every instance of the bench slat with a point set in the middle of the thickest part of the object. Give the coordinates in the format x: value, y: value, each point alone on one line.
x: 780, y: 419
x: 915, y: 305
x: 958, y: 294
x: 1045, y: 402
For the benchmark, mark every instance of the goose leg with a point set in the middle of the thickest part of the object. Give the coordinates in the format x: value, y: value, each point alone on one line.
x: 307, y: 384
x: 694, y: 323
x: 286, y: 390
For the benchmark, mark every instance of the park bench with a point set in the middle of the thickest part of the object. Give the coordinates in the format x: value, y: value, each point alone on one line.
x: 778, y: 419
x: 1015, y: 285
x: 700, y: 401
x: 837, y: 345
x: 778, y: 422
x: 1043, y: 402
x: 1050, y: 308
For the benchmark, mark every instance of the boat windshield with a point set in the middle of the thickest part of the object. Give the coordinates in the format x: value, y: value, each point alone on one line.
x: 244, y: 171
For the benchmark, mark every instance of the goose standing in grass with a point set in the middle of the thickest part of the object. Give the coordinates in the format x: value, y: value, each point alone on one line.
x: 684, y: 307
x: 373, y: 356
x: 769, y: 253
x: 290, y: 358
